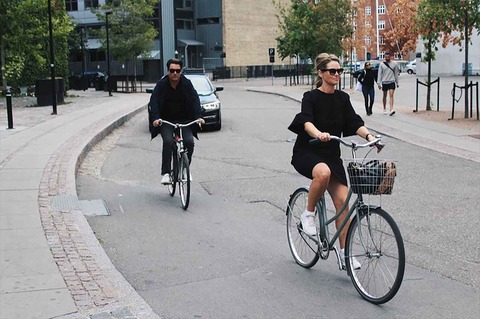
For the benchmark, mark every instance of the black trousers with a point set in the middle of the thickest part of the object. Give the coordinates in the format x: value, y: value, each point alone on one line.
x: 167, y: 135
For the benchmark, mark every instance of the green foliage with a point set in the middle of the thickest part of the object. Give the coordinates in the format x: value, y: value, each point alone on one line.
x: 438, y: 19
x: 129, y: 35
x: 309, y: 29
x: 25, y: 35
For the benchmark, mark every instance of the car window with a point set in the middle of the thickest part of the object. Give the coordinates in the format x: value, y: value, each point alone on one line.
x: 201, y: 85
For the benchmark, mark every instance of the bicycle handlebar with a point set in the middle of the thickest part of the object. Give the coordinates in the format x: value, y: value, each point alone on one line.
x: 178, y: 125
x: 354, y: 145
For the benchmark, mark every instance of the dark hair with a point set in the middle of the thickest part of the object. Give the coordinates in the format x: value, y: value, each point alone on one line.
x: 321, y: 63
x: 174, y: 61
x: 386, y: 53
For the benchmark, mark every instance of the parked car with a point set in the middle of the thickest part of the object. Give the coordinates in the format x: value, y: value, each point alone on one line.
x: 411, y: 67
x: 209, y: 101
x: 93, y: 77
x: 375, y: 65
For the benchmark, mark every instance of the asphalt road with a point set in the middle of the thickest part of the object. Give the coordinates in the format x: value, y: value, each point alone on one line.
x: 228, y: 257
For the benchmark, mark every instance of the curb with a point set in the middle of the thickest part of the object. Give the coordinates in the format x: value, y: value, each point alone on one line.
x: 97, y: 288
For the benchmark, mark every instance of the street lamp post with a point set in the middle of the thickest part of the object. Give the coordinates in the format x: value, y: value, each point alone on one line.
x: 52, y: 59
x: 107, y: 13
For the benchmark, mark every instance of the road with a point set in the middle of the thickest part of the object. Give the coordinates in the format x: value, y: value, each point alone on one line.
x: 228, y: 257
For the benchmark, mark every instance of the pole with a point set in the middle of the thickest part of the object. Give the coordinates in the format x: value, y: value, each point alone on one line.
x: 52, y: 59
x: 466, y: 61
x: 272, y: 74
x: 107, y: 13
x: 9, y: 109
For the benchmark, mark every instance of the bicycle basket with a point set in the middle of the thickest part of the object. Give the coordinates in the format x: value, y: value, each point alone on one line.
x: 375, y: 177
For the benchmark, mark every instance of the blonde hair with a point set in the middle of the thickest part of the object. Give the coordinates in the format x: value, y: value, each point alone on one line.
x: 321, y: 62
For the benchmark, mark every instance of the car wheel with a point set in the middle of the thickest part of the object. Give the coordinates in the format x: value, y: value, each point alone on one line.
x: 410, y: 71
x: 218, y: 126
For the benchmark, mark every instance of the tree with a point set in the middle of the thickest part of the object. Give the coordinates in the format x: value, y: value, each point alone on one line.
x: 403, y: 35
x: 25, y: 41
x: 130, y: 35
x: 450, y: 21
x: 312, y: 27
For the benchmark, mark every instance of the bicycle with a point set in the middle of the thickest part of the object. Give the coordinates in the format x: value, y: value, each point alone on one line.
x: 180, y: 173
x: 373, y: 237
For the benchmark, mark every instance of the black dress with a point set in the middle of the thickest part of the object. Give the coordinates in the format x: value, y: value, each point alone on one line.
x: 332, y: 113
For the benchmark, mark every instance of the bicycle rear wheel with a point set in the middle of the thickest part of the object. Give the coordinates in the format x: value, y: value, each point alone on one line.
x: 184, y: 181
x: 303, y: 247
x: 377, y: 244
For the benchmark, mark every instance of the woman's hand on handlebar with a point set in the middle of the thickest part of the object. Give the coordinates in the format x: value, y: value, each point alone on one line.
x: 157, y: 123
x: 201, y: 121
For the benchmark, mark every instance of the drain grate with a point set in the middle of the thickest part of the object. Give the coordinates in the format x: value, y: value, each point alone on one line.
x: 66, y: 203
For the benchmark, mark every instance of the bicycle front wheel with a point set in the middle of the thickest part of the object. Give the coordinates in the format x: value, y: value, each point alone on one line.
x: 375, y: 241
x: 173, y: 174
x: 184, y: 181
x: 303, y: 247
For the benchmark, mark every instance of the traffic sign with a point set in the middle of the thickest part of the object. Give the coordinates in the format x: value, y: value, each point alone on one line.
x: 271, y: 54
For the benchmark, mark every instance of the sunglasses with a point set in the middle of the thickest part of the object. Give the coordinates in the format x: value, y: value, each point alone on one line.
x: 175, y: 70
x: 333, y: 71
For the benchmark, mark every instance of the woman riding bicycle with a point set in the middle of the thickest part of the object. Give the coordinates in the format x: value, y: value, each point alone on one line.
x: 325, y: 111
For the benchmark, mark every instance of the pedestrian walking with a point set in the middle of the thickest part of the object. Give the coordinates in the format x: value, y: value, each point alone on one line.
x: 387, y: 81
x: 368, y: 78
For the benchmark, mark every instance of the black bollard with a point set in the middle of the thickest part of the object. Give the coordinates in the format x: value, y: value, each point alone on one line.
x: 9, y: 109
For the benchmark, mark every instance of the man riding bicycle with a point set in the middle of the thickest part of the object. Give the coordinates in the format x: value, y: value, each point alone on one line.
x: 176, y: 100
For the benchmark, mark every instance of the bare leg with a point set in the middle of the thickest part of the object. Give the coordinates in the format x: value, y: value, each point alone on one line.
x: 391, y: 95
x: 384, y: 100
x: 321, y: 177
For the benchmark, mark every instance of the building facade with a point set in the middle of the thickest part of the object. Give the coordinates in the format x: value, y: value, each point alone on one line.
x: 206, y: 34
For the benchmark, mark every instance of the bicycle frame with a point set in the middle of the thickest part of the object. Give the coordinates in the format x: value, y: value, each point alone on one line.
x: 357, y: 208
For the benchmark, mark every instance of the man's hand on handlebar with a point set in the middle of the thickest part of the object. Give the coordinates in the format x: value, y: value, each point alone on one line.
x: 157, y: 123
x: 323, y: 136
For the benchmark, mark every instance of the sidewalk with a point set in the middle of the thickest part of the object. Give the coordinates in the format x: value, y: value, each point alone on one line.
x: 51, y: 264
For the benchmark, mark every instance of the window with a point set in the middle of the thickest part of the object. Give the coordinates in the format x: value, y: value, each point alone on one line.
x: 381, y: 40
x: 97, y: 55
x: 368, y: 40
x: 71, y: 5
x: 368, y: 24
x: 183, y: 4
x: 381, y: 25
x: 382, y: 9
x: 184, y: 24
x: 91, y: 4
x: 208, y: 21
x: 368, y: 10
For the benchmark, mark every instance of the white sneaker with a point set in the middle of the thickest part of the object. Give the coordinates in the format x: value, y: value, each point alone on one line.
x: 356, y: 264
x: 165, y: 179
x: 385, y: 112
x: 392, y: 113
x: 308, y: 223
